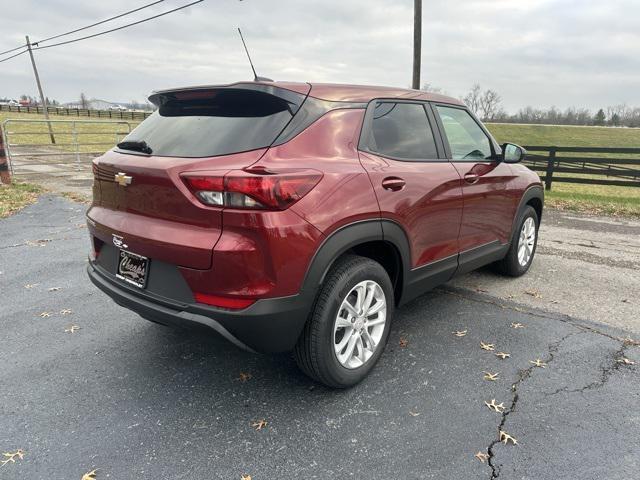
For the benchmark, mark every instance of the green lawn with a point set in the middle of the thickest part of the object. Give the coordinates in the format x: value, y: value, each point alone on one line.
x: 596, y: 199
x: 95, y: 137
x: 565, y: 136
x: 16, y: 196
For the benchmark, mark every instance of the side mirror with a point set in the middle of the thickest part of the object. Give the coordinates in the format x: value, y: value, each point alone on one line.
x: 512, y: 153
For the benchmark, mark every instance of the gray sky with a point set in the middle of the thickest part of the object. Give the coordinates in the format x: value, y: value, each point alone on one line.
x: 533, y: 52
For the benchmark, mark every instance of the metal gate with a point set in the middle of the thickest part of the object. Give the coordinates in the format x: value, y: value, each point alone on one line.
x: 29, y: 148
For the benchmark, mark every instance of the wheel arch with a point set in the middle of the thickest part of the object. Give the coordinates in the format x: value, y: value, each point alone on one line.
x: 381, y: 240
x: 534, y: 197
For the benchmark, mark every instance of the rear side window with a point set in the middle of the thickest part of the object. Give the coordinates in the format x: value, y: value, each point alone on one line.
x: 402, y: 130
x: 466, y: 139
x: 214, y: 122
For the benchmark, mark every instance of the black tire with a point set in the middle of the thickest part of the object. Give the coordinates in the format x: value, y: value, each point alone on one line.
x: 510, y: 265
x: 314, y: 352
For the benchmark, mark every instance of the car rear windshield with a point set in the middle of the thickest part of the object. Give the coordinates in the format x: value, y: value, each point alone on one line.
x: 206, y: 123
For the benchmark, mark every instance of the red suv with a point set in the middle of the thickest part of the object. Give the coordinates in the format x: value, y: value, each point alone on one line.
x: 296, y: 216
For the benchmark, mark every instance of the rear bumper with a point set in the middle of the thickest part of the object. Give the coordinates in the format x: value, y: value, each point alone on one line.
x: 269, y: 325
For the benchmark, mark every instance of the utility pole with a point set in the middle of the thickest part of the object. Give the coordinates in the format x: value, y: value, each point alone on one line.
x: 417, y: 42
x: 42, y: 97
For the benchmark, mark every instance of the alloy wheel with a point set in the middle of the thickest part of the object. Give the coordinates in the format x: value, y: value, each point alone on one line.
x: 359, y: 324
x: 527, y: 241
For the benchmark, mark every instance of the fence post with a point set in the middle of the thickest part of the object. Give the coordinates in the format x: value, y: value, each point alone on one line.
x: 5, y: 175
x: 77, y: 145
x: 550, y: 164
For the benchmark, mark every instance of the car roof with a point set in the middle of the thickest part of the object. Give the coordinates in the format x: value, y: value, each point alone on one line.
x: 338, y: 92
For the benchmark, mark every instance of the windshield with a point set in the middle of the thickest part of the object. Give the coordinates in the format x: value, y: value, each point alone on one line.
x: 212, y: 122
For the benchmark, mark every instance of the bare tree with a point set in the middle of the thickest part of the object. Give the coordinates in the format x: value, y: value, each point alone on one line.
x: 472, y: 99
x: 84, y: 103
x: 489, y: 104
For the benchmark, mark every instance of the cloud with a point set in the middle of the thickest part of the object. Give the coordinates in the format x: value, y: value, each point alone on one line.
x: 537, y: 52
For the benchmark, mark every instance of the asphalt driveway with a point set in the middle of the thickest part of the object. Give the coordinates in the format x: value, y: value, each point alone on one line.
x: 136, y: 400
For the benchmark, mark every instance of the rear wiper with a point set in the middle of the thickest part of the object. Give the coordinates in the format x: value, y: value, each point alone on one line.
x: 136, y: 146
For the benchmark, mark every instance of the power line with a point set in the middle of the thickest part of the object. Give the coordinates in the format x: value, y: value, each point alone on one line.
x: 13, y: 56
x: 84, y: 28
x: 119, y: 28
x: 13, y: 49
x: 98, y: 23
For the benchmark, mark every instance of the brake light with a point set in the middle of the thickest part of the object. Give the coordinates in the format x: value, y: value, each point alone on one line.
x: 242, y: 189
x: 224, y: 302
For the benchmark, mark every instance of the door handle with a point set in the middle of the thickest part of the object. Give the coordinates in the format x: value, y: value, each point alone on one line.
x: 471, y: 178
x: 393, y: 183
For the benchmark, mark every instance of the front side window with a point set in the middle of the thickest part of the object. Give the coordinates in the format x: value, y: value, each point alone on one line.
x: 402, y: 130
x: 466, y: 139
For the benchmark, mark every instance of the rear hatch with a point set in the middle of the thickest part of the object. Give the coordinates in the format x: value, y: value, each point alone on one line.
x: 138, y: 193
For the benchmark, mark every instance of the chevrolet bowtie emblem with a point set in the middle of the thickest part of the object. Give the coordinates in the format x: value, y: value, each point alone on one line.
x: 122, y: 179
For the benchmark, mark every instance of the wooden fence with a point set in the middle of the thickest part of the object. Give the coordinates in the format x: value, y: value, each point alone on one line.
x: 80, y: 112
x: 589, y: 165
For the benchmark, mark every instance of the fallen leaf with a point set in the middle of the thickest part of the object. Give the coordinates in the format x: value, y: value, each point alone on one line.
x: 538, y: 363
x: 503, y: 355
x: 403, y: 342
x: 53, y: 289
x: 533, y: 293
x: 413, y: 414
x: 45, y: 314
x: 38, y: 243
x: 630, y: 342
x: 30, y: 285
x: 245, y: 477
x: 487, y: 346
x: 625, y: 361
x: 90, y: 475
x: 517, y: 325
x: 481, y: 456
x: 505, y: 437
x: 65, y: 311
x: 72, y: 329
x: 11, y: 457
x: 481, y: 290
x: 496, y: 407
x: 244, y: 376
x: 460, y: 333
x: 260, y: 424
x: 491, y: 376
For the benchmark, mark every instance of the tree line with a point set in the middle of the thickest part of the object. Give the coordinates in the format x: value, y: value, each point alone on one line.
x: 487, y: 105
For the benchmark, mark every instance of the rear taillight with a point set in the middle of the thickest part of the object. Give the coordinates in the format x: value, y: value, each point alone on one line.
x: 262, y: 191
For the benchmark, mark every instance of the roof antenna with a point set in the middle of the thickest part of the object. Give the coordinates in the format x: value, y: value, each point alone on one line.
x: 256, y: 78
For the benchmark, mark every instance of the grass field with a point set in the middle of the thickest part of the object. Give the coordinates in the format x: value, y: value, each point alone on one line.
x: 16, y: 196
x: 565, y: 136
x: 94, y: 136
x: 597, y: 199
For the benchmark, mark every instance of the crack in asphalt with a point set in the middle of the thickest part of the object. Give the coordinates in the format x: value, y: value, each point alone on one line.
x: 552, y: 350
x: 588, y: 257
x: 564, y: 318
x: 605, y: 371
x: 44, y: 241
x: 522, y: 376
